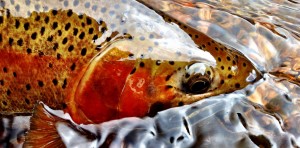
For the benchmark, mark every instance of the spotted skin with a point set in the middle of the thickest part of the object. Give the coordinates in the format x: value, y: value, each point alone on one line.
x: 42, y: 55
x: 234, y: 69
x: 141, y: 84
x: 54, y: 58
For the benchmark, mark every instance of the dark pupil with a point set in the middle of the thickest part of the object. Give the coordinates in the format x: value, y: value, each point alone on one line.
x: 199, y: 86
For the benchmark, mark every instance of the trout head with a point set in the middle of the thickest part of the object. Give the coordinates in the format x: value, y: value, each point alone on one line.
x: 121, y: 82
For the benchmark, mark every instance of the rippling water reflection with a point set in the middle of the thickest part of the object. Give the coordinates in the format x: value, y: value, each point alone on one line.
x: 266, y: 114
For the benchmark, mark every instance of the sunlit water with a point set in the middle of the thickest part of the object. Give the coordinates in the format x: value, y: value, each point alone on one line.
x: 264, y: 114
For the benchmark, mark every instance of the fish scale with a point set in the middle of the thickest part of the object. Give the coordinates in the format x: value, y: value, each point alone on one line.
x: 50, y: 50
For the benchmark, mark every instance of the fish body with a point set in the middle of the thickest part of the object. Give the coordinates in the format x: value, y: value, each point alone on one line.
x: 42, y: 55
x: 97, y: 72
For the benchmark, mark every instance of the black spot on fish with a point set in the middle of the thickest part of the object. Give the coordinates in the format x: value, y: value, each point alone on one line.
x: 222, y: 67
x: 75, y: 31
x: 65, y: 40
x: 237, y: 85
x: 67, y: 27
x: 216, y: 48
x: 20, y: 42
x: 5, y: 70
x: 33, y: 35
x: 46, y: 20
x: 58, y: 56
x: 108, y: 39
x: 103, y: 29
x: 142, y: 64
x: 26, y: 26
x: 14, y: 74
x: 54, y: 12
x: 95, y: 37
x: 244, y: 64
x: 50, y: 38
x: 168, y: 77
x: 8, y: 92
x: 50, y: 65
x: 37, y: 18
x: 229, y: 76
x: 171, y: 62
x: 64, y: 84
x: 42, y: 31
x: 133, y: 71
x: 208, y: 72
x: 88, y: 21
x: 27, y: 101
x: 131, y: 55
x: 55, y: 47
x: 71, y: 47
x: 91, y: 30
x: 69, y: 13
x: 2, y: 82
x: 1, y: 19
x: 10, y: 41
x: 40, y: 83
x: 29, y: 51
x: 180, y: 103
x: 59, y: 32
x: 228, y: 58
x: 41, y: 53
x: 73, y: 66
x: 222, y: 82
x: 4, y: 103
x: 55, y: 82
x: 1, y: 38
x: 54, y: 25
x: 17, y: 24
x: 83, y: 51
x: 169, y: 86
x: 82, y: 34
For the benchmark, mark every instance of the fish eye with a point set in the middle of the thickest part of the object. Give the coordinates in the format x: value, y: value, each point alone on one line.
x: 199, y: 85
x: 197, y: 79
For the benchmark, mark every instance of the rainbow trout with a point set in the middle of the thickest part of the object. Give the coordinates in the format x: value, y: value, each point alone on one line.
x: 100, y: 60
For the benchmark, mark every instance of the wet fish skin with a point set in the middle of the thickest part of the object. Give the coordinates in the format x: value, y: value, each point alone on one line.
x: 42, y: 55
x: 65, y: 60
x: 234, y: 70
